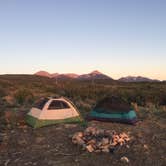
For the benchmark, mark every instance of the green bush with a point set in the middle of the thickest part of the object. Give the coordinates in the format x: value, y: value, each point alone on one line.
x: 24, y: 96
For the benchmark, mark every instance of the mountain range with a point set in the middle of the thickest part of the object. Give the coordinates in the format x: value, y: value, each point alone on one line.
x: 137, y: 79
x: 94, y: 75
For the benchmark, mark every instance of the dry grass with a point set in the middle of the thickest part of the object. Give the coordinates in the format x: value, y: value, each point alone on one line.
x: 21, y: 145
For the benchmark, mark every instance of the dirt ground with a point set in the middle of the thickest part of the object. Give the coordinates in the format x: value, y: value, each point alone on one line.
x: 52, y: 146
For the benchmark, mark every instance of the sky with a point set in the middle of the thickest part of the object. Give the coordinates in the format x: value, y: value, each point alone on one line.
x: 116, y: 37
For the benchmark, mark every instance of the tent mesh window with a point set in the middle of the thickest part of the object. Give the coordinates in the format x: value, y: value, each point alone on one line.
x: 58, y: 105
x: 64, y: 105
x: 41, y: 103
x: 112, y: 104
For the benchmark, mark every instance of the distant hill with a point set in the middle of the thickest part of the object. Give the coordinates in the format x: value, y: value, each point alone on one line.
x: 54, y: 75
x: 43, y: 74
x: 66, y: 76
x: 93, y: 75
x: 136, y: 79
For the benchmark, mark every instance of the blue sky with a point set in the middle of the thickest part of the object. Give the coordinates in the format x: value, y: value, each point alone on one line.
x: 117, y: 37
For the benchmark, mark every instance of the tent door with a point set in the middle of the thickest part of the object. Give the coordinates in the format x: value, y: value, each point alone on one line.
x: 59, y: 110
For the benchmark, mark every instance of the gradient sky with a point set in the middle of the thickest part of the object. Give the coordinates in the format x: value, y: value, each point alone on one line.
x: 117, y: 37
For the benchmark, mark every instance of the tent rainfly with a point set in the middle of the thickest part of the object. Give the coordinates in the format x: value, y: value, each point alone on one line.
x: 48, y: 111
x: 113, y: 109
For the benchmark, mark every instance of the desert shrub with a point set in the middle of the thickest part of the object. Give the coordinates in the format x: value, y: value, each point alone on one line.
x: 24, y: 96
x: 2, y: 92
x: 140, y: 93
x: 51, y: 89
x: 163, y: 99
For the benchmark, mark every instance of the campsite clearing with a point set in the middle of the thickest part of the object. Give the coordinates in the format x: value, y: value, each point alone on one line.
x: 52, y: 145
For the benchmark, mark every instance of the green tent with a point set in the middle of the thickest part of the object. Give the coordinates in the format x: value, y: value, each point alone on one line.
x: 113, y: 109
x: 48, y: 111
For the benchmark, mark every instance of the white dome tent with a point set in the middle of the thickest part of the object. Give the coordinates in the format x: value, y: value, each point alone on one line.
x: 49, y: 111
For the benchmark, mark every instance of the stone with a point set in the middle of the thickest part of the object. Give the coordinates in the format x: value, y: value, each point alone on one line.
x: 124, y: 159
x: 99, y: 140
x: 105, y: 141
x: 97, y: 151
x: 77, y: 135
x: 100, y: 132
x: 90, y: 148
x: 80, y: 141
x: 106, y: 150
x: 91, y: 130
x: 78, y: 138
x: 92, y: 141
x: 146, y: 147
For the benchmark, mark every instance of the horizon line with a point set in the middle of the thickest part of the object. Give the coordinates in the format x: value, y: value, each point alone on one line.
x: 82, y: 74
